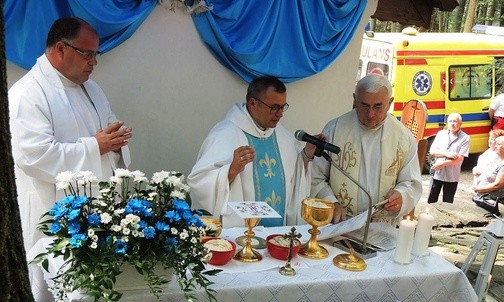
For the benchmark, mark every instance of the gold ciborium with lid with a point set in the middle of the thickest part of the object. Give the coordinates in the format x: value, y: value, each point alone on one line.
x: 317, y: 212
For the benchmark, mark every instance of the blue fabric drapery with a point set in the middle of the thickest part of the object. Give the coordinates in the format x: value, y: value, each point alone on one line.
x: 291, y: 39
x: 27, y: 23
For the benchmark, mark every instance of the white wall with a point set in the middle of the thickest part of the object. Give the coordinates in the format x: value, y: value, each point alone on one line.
x: 165, y: 84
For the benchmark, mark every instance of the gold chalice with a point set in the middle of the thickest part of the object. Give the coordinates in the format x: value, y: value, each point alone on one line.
x: 317, y: 212
x: 247, y: 253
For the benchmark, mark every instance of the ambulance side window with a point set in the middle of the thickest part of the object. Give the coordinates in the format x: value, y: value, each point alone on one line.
x: 377, y: 68
x: 469, y: 82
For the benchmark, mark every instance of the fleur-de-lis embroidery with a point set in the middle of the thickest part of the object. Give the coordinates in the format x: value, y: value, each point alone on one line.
x: 273, y: 200
x: 269, y: 163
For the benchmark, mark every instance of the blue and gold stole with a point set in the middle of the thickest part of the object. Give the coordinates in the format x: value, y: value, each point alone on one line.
x: 269, y: 178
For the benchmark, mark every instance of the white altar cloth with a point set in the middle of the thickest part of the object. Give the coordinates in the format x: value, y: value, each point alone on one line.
x: 427, y: 278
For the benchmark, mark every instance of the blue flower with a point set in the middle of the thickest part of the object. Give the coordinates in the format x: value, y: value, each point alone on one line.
x: 172, y: 215
x: 79, y: 201
x: 74, y: 227
x: 55, y: 227
x: 180, y: 205
x: 171, y: 243
x: 139, y: 207
x: 94, y: 219
x: 195, y: 221
x: 60, y: 209
x: 74, y: 214
x: 149, y: 232
x: 142, y: 225
x: 187, y: 215
x: 77, y: 240
x: 162, y: 226
x: 121, y: 247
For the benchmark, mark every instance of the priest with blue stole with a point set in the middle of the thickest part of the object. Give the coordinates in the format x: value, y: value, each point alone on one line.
x: 250, y: 156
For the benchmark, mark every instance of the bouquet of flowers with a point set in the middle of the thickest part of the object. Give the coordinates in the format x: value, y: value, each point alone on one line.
x: 130, y: 221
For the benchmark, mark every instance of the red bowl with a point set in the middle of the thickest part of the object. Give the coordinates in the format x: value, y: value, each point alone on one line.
x: 220, y: 257
x: 281, y: 252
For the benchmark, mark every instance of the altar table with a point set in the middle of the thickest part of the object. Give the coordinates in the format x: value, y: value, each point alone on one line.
x: 427, y: 278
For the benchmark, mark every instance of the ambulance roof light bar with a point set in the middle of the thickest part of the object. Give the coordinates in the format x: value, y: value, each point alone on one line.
x: 487, y: 29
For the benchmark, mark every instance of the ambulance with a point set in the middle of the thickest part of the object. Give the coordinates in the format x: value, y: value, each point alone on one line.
x: 448, y: 72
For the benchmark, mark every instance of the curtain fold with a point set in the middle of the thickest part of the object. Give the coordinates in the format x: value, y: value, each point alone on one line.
x: 27, y: 23
x: 291, y: 39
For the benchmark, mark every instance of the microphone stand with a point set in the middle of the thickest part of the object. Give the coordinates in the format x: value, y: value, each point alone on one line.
x: 360, y: 249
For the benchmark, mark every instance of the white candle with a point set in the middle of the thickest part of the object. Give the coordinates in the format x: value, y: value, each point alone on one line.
x: 404, y: 241
x: 423, y: 233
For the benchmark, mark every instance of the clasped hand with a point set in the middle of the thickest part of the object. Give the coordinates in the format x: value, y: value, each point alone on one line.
x: 113, y: 138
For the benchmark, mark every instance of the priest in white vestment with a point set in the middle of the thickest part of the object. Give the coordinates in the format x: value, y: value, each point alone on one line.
x: 376, y: 150
x: 250, y: 156
x: 61, y: 120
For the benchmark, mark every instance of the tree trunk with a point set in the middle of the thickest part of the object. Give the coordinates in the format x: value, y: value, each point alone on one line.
x: 471, y: 12
x: 14, y: 282
x: 490, y: 12
x: 456, y: 17
x: 497, y: 13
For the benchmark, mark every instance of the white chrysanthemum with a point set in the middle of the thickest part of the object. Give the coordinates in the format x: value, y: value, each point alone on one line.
x: 118, y: 212
x: 184, y: 235
x: 173, y: 180
x: 139, y: 176
x: 105, y: 218
x: 159, y: 177
x: 94, y: 238
x: 116, y: 228
x: 126, y: 231
x: 185, y: 187
x: 90, y: 233
x: 93, y: 245
x: 63, y: 180
x: 194, y: 240
x: 87, y: 177
x: 122, y: 173
x: 136, y: 233
x: 132, y: 218
x: 115, y: 179
x: 177, y: 194
x: 174, y: 231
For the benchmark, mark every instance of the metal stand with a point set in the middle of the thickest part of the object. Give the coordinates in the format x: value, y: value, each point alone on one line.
x: 361, y: 249
x: 492, y: 244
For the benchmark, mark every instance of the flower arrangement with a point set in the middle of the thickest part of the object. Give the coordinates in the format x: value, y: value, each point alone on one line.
x: 130, y: 221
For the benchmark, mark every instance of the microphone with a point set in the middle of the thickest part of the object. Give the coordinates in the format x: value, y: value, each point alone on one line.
x: 303, y: 136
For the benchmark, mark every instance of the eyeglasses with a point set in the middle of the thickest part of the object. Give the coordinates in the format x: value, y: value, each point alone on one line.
x: 274, y: 108
x: 367, y: 107
x: 86, y: 54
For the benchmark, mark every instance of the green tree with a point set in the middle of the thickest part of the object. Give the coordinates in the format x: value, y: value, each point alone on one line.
x: 14, y: 283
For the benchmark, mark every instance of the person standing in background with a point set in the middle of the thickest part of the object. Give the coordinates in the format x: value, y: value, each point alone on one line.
x: 449, y: 149
x: 60, y: 121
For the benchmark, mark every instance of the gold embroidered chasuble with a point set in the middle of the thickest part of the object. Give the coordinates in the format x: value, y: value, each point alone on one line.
x: 393, y: 155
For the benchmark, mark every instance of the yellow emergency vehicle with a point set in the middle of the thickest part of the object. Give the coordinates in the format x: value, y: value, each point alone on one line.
x: 449, y: 72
